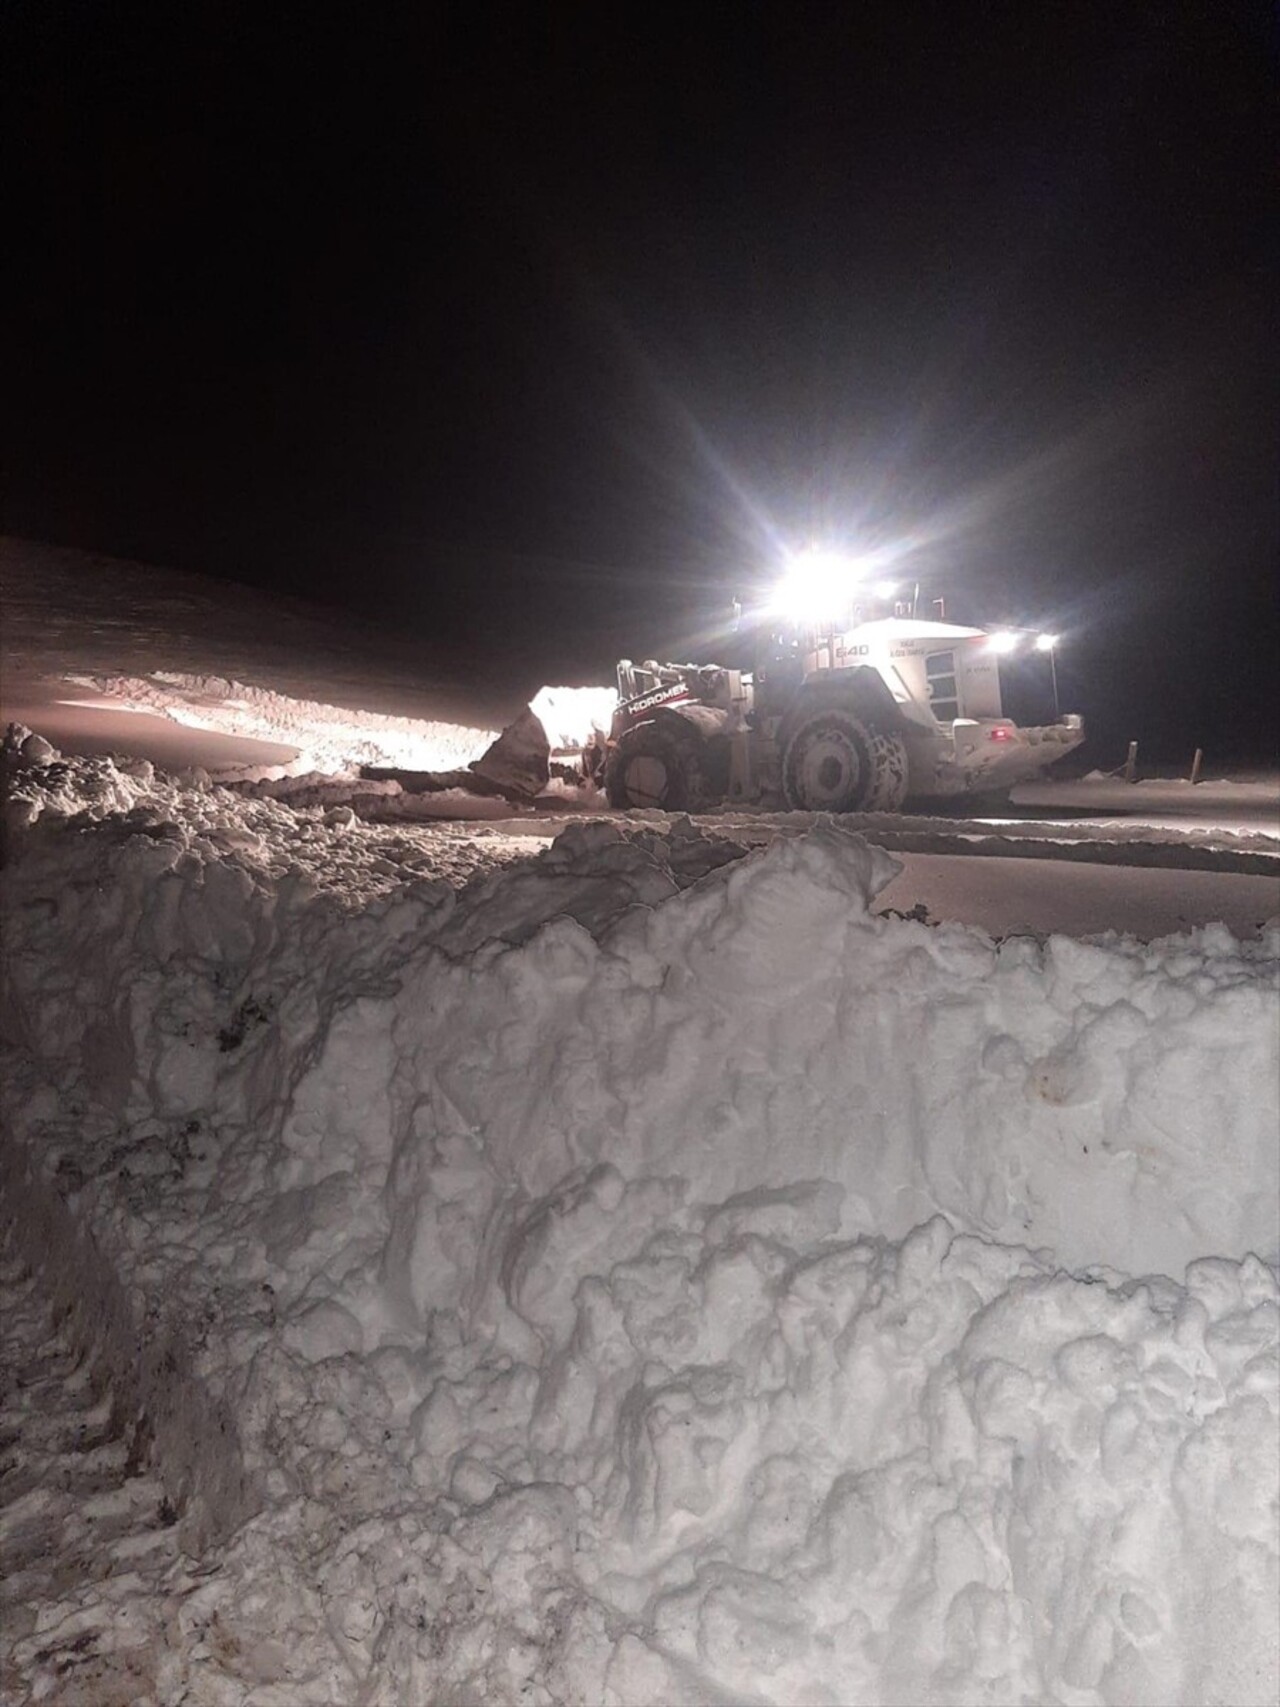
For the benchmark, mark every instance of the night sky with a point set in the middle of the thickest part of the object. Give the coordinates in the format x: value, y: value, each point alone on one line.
x: 543, y: 329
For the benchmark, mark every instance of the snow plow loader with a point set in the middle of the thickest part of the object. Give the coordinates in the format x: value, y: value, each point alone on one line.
x: 864, y: 710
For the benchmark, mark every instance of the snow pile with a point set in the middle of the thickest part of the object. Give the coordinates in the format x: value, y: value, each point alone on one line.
x: 935, y: 1471
x: 328, y: 738
x: 315, y: 841
x: 374, y: 799
x: 648, y: 1275
x: 1117, y: 1102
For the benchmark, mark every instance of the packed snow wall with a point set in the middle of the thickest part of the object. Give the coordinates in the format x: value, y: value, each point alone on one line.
x: 653, y: 1275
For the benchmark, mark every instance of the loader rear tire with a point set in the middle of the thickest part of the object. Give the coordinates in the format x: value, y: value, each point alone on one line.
x: 834, y: 762
x: 653, y: 768
x: 889, y: 761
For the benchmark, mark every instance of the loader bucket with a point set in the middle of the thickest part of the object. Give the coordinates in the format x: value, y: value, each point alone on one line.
x: 518, y: 762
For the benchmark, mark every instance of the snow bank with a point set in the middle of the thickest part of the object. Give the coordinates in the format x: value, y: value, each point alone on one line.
x: 314, y: 840
x: 646, y: 1274
x: 383, y: 800
x: 1107, y: 791
x: 329, y: 738
x: 1115, y: 1102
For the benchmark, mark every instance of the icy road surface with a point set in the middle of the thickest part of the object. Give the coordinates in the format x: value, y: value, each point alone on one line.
x: 635, y: 1269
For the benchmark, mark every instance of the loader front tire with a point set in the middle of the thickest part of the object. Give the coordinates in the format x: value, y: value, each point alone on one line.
x: 652, y: 768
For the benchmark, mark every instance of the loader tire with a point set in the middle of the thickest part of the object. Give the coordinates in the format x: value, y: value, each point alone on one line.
x: 653, y: 768
x: 889, y: 761
x: 834, y: 762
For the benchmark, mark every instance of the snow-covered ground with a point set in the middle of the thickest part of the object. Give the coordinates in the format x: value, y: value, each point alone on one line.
x: 468, y: 1254
x: 69, y: 615
x: 635, y: 1268
x: 1154, y: 798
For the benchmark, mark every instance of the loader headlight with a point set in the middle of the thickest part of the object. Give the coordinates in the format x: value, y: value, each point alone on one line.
x: 1003, y: 640
x: 817, y: 585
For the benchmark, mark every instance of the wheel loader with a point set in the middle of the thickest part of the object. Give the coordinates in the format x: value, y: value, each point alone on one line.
x: 856, y: 703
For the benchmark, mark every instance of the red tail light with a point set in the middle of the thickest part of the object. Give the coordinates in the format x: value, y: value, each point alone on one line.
x: 999, y: 734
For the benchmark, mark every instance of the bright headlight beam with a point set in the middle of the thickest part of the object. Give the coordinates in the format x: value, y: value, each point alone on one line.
x: 1003, y: 640
x: 816, y: 584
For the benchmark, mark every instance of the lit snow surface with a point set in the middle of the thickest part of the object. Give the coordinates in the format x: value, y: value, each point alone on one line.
x: 635, y: 1269
x: 449, y: 1265
x: 326, y: 739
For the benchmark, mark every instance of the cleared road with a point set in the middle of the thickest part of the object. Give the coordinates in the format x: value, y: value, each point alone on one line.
x: 1008, y: 896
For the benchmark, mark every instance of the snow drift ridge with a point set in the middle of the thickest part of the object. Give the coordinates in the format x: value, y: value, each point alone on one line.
x: 620, y: 1268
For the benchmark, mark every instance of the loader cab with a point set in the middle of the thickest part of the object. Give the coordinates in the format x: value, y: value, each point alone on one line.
x: 779, y: 672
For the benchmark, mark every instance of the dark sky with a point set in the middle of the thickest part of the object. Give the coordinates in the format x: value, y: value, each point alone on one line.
x: 546, y: 326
